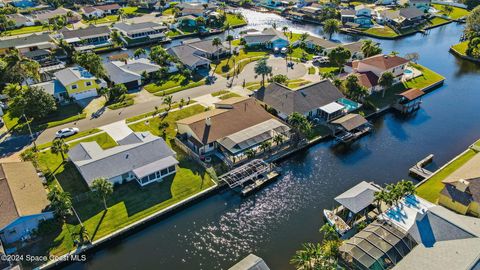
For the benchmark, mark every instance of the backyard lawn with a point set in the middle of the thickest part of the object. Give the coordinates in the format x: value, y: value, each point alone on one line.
x: 235, y: 20
x: 25, y: 30
x: 106, y: 19
x: 431, y: 188
x: 173, y: 82
x: 457, y: 12
x: 381, y: 32
x: 461, y: 47
x: 428, y: 78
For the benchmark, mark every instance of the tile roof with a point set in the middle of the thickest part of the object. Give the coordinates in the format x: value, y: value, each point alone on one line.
x: 383, y: 61
x: 21, y: 192
x: 243, y: 113
x: 303, y: 100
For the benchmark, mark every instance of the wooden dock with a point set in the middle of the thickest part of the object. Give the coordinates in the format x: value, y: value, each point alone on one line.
x: 418, y: 169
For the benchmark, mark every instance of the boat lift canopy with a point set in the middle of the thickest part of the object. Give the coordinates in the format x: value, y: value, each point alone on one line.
x: 245, y: 172
x: 358, y: 197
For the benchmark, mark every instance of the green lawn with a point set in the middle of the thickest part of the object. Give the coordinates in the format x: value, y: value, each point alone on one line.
x: 127, y: 100
x: 431, y: 188
x: 229, y: 95
x: 25, y: 30
x: 234, y: 20
x: 64, y: 114
x: 461, y: 47
x: 76, y: 136
x: 328, y: 69
x: 106, y: 19
x: 297, y: 83
x: 219, y: 93
x: 319, y: 131
x: 173, y: 82
x: 225, y: 66
x: 438, y: 21
x: 130, y: 10
x: 153, y: 124
x: 173, y: 33
x: 457, y: 12
x: 312, y: 70
x: 381, y: 32
x: 428, y: 78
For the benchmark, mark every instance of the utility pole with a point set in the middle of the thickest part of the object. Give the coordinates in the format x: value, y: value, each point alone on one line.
x: 31, y: 134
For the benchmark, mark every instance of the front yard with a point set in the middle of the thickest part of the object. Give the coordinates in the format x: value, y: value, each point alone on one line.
x: 173, y: 83
x: 244, y: 57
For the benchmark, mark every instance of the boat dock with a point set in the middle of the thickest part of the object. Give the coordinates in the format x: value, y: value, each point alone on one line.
x: 259, y: 183
x: 418, y: 169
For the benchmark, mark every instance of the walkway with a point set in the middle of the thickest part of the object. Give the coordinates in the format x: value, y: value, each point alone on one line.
x: 118, y: 130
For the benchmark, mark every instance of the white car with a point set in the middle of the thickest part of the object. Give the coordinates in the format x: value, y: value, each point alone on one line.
x: 66, y: 132
x: 321, y: 59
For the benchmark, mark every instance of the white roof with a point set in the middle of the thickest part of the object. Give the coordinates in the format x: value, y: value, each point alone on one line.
x: 358, y: 197
x: 332, y: 107
x: 251, y: 262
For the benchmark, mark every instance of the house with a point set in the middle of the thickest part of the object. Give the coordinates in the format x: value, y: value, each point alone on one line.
x: 311, y: 11
x: 190, y: 57
x: 326, y: 46
x: 54, y: 88
x: 20, y: 20
x: 415, y: 234
x: 100, y: 11
x: 235, y: 125
x: 187, y: 20
x: 205, y: 48
x: 140, y: 157
x: 24, y: 202
x: 251, y: 262
x: 44, y: 16
x: 86, y: 39
x: 461, y: 195
x: 404, y: 18
x: 195, y: 9
x: 423, y: 5
x: 78, y: 83
x: 308, y: 100
x: 48, y: 60
x: 24, y: 4
x: 129, y: 72
x: 370, y: 69
x: 142, y: 32
x: 269, y: 38
x: 361, y: 15
x: 27, y: 43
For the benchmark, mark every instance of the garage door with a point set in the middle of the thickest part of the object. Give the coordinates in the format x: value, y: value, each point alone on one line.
x: 85, y: 94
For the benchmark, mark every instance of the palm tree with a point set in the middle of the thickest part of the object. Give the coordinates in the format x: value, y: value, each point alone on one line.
x: 138, y: 52
x: 289, y: 51
x: 285, y: 29
x: 103, y: 188
x: 59, y: 147
x: 24, y: 67
x: 262, y: 68
x: 329, y: 232
x: 265, y: 145
x: 369, y: 48
x: 394, y: 53
x: 61, y: 202
x: 121, y: 14
x: 250, y: 153
x: 379, y: 197
x: 386, y: 81
x: 301, y: 126
x: 308, y: 257
x: 229, y: 39
x: 168, y: 100
x: 217, y: 42
x: 304, y: 36
x: 227, y: 27
x: 331, y: 26
x: 116, y: 38
x: 278, y: 139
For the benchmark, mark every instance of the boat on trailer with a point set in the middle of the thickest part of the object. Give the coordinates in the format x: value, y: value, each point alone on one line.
x: 340, y: 225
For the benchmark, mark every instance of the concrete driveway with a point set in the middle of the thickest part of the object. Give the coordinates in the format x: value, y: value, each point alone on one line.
x: 117, y: 130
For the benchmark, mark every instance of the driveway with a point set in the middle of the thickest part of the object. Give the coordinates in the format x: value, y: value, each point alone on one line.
x: 278, y: 67
x: 117, y: 130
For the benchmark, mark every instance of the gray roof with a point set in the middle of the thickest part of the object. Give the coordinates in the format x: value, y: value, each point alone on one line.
x: 205, y: 46
x: 134, y: 153
x: 186, y: 55
x: 91, y: 31
x: 303, y: 100
x: 138, y: 27
x: 411, y: 12
x: 251, y: 262
x: 353, y: 47
x: 22, y: 41
x: 358, y: 197
x: 269, y: 34
x: 322, y: 42
x: 119, y: 75
x: 347, y: 12
x: 73, y: 74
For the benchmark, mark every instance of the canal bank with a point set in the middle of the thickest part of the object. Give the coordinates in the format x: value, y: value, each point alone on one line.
x: 220, y: 230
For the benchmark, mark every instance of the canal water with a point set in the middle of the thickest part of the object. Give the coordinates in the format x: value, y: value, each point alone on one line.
x: 273, y: 223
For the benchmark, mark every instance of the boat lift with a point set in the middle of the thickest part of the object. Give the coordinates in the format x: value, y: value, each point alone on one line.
x: 246, y: 172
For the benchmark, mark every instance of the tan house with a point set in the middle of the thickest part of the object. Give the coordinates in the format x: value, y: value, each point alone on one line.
x: 461, y: 195
x: 233, y: 127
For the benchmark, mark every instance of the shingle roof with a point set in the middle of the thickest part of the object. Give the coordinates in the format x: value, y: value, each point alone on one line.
x: 412, y: 94
x: 136, y: 152
x: 21, y: 192
x: 411, y: 12
x: 268, y: 34
x: 186, y: 55
x: 90, y: 31
x: 350, y: 121
x: 367, y: 79
x: 22, y: 41
x: 303, y: 100
x: 138, y: 27
x: 119, y: 75
x: 206, y: 46
x: 73, y: 74
x: 322, y: 42
x: 244, y: 113
x: 108, y: 7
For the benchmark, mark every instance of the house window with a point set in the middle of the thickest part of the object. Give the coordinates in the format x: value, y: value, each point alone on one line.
x: 211, y: 144
x: 144, y: 180
x: 74, y: 86
x: 171, y: 169
x: 152, y: 177
x: 158, y: 174
x: 164, y: 171
x: 88, y: 83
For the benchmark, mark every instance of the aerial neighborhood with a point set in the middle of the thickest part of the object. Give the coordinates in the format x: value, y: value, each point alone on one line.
x: 271, y: 117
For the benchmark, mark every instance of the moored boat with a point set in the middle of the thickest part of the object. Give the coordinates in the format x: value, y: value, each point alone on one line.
x: 340, y: 226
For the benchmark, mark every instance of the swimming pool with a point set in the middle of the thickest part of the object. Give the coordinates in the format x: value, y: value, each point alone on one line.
x: 408, y: 71
x: 350, y: 105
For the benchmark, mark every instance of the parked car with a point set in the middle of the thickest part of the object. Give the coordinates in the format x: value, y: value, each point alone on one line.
x: 66, y: 132
x: 321, y: 59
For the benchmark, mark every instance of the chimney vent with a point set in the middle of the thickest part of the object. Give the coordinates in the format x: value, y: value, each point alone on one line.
x: 208, y: 121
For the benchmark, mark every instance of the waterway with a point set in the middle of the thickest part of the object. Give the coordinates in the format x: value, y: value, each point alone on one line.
x: 273, y: 223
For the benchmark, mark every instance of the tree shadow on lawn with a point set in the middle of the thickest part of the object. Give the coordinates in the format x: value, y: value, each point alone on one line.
x: 71, y: 180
